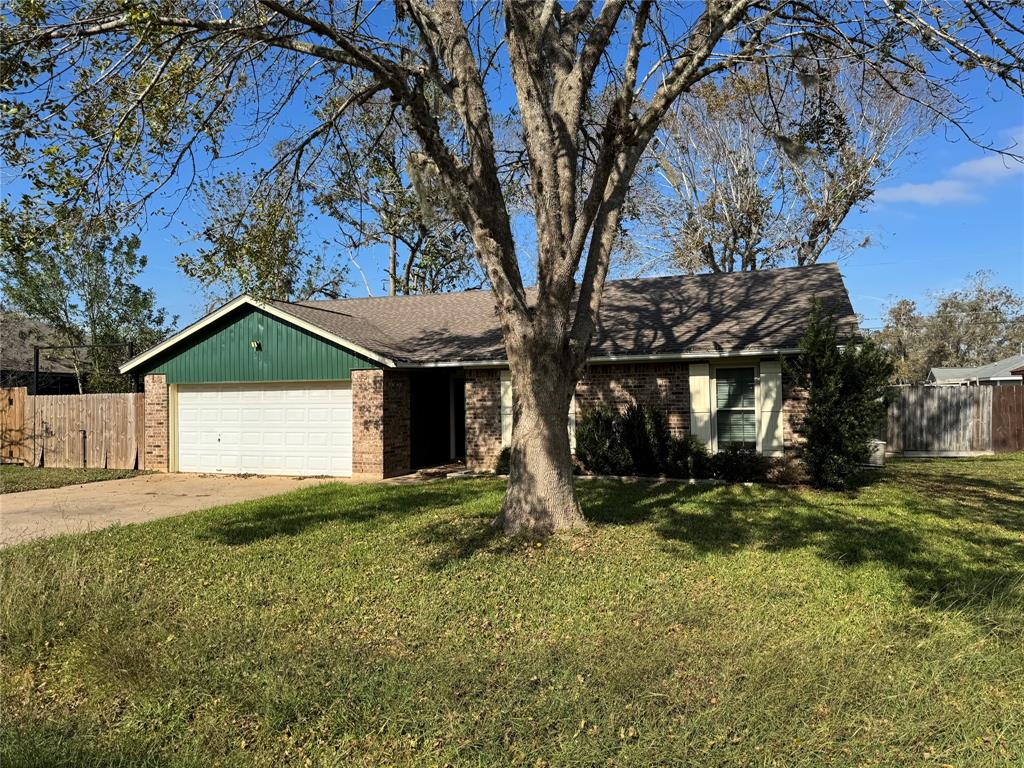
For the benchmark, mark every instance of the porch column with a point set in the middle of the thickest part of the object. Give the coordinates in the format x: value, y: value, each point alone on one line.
x: 156, y: 450
x: 380, y: 424
x: 483, y: 419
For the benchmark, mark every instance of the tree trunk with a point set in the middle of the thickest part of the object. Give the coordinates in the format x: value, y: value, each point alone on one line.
x: 540, y: 499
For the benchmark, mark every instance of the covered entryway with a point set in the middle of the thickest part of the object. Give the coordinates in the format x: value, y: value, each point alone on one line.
x: 265, y: 428
x: 437, y: 418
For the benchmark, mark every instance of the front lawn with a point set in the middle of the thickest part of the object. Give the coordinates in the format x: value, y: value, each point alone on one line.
x: 15, y: 478
x: 366, y: 625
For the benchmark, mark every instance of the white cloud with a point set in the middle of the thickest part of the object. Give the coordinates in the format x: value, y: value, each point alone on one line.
x: 963, y: 183
x: 933, y: 193
x: 988, y: 168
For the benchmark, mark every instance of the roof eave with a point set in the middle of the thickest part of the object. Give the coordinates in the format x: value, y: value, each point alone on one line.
x: 597, y: 359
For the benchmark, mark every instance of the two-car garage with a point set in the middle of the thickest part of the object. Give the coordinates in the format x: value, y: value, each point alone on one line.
x: 255, y: 388
x: 264, y: 428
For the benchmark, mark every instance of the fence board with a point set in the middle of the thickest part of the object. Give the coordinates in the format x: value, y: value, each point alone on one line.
x: 14, y: 449
x: 940, y: 421
x: 1008, y: 418
x: 52, y: 429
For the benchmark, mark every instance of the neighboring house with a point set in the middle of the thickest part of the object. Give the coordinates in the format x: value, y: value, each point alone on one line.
x: 1008, y: 371
x: 379, y: 387
x: 18, y: 335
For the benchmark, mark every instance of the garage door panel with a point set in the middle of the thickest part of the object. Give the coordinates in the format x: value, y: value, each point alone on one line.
x: 266, y: 428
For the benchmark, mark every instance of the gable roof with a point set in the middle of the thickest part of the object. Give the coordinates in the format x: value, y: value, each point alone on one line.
x: 669, y: 317
x: 1001, y: 369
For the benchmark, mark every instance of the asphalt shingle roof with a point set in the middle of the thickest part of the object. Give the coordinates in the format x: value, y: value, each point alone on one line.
x: 998, y: 369
x: 690, y: 314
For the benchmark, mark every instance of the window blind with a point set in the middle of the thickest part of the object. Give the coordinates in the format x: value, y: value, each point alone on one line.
x: 735, y: 387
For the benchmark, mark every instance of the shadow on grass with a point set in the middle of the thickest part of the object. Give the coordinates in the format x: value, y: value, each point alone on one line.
x: 461, y: 538
x: 294, y: 513
x: 942, y: 563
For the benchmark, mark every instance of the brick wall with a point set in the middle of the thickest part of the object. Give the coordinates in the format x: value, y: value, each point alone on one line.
x: 794, y: 406
x: 380, y: 423
x: 157, y: 435
x: 661, y: 385
x: 483, y: 419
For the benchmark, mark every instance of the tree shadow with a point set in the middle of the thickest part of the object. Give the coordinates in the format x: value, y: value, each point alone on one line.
x: 461, y: 538
x: 954, y: 567
x: 294, y: 513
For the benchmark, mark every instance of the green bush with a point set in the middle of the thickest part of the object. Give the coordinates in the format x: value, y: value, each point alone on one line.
x: 687, y: 457
x: 644, y: 434
x: 599, y: 446
x: 739, y: 465
x: 846, y: 388
x: 636, y: 442
x: 501, y: 466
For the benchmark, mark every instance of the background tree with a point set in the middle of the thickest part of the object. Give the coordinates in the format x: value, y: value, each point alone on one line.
x: 903, y: 337
x: 255, y: 240
x: 366, y: 183
x: 132, y: 93
x: 974, y: 325
x: 78, y: 276
x: 761, y: 169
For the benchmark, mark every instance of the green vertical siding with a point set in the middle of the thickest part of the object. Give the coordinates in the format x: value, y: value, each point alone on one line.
x: 223, y: 352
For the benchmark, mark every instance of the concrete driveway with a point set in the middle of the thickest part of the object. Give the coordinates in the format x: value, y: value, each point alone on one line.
x: 75, y: 508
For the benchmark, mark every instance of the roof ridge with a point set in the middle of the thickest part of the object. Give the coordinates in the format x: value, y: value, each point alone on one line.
x: 646, y: 278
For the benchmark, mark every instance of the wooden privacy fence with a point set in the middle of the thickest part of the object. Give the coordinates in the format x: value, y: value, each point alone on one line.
x: 955, y: 421
x: 101, y: 431
x: 1008, y: 418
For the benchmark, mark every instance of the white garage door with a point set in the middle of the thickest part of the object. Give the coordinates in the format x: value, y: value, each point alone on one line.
x: 270, y: 429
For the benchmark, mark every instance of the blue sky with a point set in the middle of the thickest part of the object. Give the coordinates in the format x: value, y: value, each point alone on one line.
x: 946, y: 212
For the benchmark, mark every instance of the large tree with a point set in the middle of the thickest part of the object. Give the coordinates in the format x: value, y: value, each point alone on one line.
x: 132, y: 93
x: 761, y: 169
x: 254, y: 239
x: 365, y: 183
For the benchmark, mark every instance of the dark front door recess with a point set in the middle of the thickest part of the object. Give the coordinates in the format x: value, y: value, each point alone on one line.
x: 430, y: 420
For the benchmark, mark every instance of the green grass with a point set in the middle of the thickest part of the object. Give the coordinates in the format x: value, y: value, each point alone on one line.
x: 15, y: 478
x: 389, y: 625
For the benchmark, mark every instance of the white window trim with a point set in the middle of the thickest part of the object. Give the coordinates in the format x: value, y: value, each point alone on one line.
x: 713, y: 392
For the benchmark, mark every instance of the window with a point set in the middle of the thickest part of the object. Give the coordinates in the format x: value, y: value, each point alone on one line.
x: 736, y: 416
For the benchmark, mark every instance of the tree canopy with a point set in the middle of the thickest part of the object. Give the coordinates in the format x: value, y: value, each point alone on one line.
x: 79, y: 275
x: 130, y: 99
x: 978, y: 324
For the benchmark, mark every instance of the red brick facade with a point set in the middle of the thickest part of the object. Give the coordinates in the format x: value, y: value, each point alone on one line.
x: 483, y: 418
x: 157, y: 448
x: 794, y: 406
x: 664, y: 386
x: 381, y: 429
x: 380, y: 424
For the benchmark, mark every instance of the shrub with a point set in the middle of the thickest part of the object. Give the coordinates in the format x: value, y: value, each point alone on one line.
x: 687, y: 457
x: 739, y: 465
x: 787, y: 470
x: 599, y: 446
x: 846, y: 400
x: 644, y: 434
x: 501, y: 466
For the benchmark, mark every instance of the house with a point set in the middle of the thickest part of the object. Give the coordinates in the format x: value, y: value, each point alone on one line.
x: 379, y: 387
x: 18, y: 335
x: 1007, y: 371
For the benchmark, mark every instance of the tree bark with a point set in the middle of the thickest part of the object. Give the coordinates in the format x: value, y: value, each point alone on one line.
x: 541, y: 497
